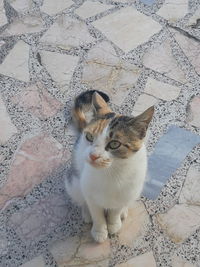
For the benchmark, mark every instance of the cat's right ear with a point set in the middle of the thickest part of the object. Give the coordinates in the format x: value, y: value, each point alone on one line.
x: 100, y: 106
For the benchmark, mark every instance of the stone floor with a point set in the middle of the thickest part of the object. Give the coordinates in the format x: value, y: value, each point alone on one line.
x: 142, y: 53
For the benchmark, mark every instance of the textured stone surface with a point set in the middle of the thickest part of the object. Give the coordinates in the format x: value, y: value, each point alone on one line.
x: 52, y: 7
x: 3, y: 18
x: 173, y: 10
x: 37, y: 261
x: 36, y: 158
x: 7, y: 128
x: 191, y: 187
x: 104, y: 70
x: 161, y: 90
x: 21, y: 5
x: 143, y: 102
x: 169, y: 153
x: 38, y: 101
x: 146, y: 259
x: 160, y: 59
x: 29, y: 24
x: 124, y: 28
x: 180, y: 221
x: 59, y: 66
x: 90, y: 8
x: 135, y: 224
x: 190, y: 47
x: 67, y: 33
x: 178, y: 262
x: 193, y: 20
x: 15, y: 64
x: 194, y: 111
x: 148, y: 2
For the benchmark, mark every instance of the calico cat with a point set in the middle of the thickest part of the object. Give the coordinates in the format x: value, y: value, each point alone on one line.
x: 109, y: 162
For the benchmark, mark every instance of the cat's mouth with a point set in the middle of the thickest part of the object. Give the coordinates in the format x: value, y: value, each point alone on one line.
x: 100, y: 163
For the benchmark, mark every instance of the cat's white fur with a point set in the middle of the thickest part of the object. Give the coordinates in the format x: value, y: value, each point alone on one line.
x: 113, y: 188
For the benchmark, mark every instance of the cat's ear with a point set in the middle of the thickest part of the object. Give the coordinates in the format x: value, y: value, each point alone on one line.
x: 141, y: 122
x: 99, y: 105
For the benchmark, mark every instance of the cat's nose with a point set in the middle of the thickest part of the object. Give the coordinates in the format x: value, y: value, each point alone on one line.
x: 94, y: 157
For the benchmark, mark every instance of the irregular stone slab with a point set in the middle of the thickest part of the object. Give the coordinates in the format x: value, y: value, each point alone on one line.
x: 135, y: 224
x: 173, y: 10
x: 143, y: 102
x: 3, y: 18
x: 127, y: 28
x: 75, y: 251
x: 36, y: 221
x: 29, y: 24
x: 67, y: 33
x: 144, y: 260
x: 90, y: 8
x: 38, y: 101
x: 37, y: 261
x: 169, y: 153
x: 190, y: 47
x: 193, y: 20
x: 15, y: 64
x: 190, y: 191
x: 33, y: 162
x: 21, y: 5
x: 148, y: 2
x: 180, y: 221
x: 162, y: 90
x: 194, y: 111
x: 161, y: 60
x: 178, y: 262
x: 59, y: 66
x: 7, y: 128
x: 53, y: 7
x: 103, y: 70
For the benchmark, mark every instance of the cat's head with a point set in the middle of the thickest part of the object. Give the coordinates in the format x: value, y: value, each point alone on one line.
x: 110, y: 136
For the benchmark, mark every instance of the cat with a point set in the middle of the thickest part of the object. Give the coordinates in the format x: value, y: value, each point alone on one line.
x: 109, y: 162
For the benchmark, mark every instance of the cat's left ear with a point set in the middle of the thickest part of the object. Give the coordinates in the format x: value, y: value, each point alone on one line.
x: 141, y: 122
x: 99, y: 105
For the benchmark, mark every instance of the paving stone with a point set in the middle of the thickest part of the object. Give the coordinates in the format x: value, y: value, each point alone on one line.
x: 190, y: 47
x: 7, y: 128
x: 127, y: 28
x: 21, y: 5
x: 90, y: 8
x: 148, y: 2
x: 67, y: 33
x: 143, y: 102
x: 135, y: 224
x: 194, y: 111
x: 169, y: 153
x: 15, y: 64
x: 3, y: 18
x: 191, y: 188
x: 146, y: 259
x: 37, y: 261
x: 160, y: 59
x: 38, y: 220
x: 104, y: 70
x: 60, y: 67
x: 53, y: 7
x: 75, y: 251
x: 36, y: 158
x: 193, y: 20
x: 178, y: 262
x: 161, y: 90
x: 173, y: 10
x: 38, y: 101
x: 180, y: 221
x: 29, y: 24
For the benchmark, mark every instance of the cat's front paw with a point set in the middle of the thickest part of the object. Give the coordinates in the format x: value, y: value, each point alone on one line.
x: 99, y: 235
x: 114, y: 228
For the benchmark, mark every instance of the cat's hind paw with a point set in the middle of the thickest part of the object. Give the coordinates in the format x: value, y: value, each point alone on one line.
x: 99, y: 235
x: 124, y: 214
x: 114, y: 227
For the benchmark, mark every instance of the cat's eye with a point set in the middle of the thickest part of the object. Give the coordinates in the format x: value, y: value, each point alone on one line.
x: 89, y: 137
x: 114, y: 144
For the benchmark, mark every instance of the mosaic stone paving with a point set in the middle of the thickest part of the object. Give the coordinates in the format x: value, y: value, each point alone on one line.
x: 141, y: 53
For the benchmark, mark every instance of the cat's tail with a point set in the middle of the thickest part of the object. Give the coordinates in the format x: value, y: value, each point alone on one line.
x: 82, y: 111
